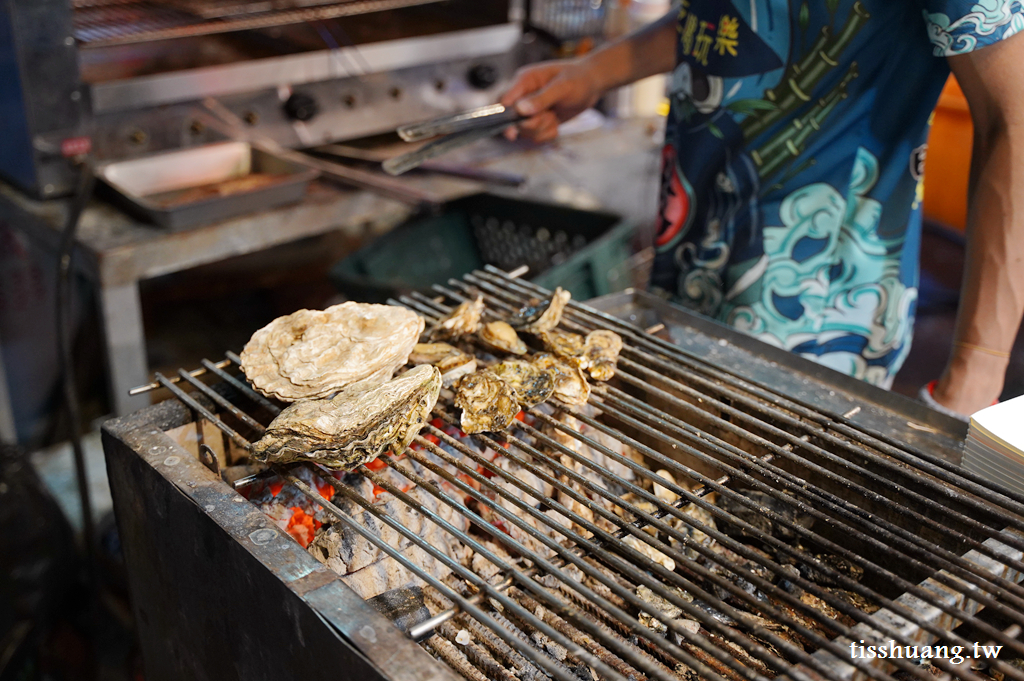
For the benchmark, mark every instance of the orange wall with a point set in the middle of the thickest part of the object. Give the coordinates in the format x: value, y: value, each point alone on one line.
x: 948, y: 162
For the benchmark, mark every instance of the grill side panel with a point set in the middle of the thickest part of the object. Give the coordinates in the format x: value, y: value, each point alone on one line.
x: 207, y: 603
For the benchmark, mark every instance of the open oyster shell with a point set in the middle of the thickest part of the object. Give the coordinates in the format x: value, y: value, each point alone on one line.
x: 601, y: 352
x: 462, y: 321
x: 488, y: 403
x: 570, y: 383
x: 545, y: 315
x: 568, y: 346
x: 313, y: 353
x: 501, y: 336
x: 532, y: 384
x: 354, y: 427
x: 452, y: 362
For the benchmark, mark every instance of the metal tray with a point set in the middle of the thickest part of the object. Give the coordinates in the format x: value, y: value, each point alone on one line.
x: 842, y: 397
x: 157, y: 187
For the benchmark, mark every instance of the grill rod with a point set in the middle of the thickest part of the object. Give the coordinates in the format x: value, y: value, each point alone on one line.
x: 873, y: 672
x: 732, y: 411
x: 907, y: 540
x: 623, y: 568
x: 622, y: 504
x: 585, y: 624
x: 111, y: 28
x: 938, y: 632
x: 535, y: 656
x: 934, y: 524
x: 910, y: 586
x: 936, y: 466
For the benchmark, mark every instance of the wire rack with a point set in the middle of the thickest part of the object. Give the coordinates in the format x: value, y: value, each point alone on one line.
x: 571, y: 535
x: 101, y: 23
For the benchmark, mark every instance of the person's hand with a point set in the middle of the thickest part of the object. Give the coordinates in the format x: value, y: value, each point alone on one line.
x: 972, y: 381
x: 549, y: 94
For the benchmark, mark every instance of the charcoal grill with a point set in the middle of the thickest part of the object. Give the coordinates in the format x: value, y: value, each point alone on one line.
x: 562, y: 579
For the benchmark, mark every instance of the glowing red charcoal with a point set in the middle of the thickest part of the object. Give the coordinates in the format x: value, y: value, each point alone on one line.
x: 302, y: 526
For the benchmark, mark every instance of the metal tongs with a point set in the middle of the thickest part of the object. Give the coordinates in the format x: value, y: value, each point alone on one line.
x: 453, y: 132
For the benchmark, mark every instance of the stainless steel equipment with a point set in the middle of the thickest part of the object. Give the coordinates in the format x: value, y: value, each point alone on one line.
x: 803, y: 512
x: 126, y: 78
x: 179, y: 189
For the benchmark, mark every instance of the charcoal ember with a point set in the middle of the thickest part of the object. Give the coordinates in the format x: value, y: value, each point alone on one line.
x: 663, y: 609
x: 786, y: 579
x: 356, y: 426
x: 464, y: 320
x: 694, y: 535
x: 763, y: 526
x: 619, y: 470
x: 543, y: 316
x: 650, y: 552
x: 346, y: 551
x: 855, y: 599
x: 816, y: 574
x: 314, y: 354
x: 405, y: 607
x: 388, y: 574
x: 714, y: 612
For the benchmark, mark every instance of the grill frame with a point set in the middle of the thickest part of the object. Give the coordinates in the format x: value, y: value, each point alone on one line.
x: 482, y: 279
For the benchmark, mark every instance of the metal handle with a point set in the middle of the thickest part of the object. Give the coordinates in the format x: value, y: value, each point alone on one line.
x: 485, y: 116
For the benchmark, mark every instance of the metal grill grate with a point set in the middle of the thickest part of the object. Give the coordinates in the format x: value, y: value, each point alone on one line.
x: 101, y: 23
x: 939, y: 548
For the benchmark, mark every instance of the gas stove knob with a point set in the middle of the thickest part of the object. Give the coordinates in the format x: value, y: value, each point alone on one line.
x: 301, y: 107
x: 482, y: 76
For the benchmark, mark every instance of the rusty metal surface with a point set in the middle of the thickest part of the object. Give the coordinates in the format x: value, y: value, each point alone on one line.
x: 218, y: 591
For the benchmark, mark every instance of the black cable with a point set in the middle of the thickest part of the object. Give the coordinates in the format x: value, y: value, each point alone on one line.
x: 65, y: 289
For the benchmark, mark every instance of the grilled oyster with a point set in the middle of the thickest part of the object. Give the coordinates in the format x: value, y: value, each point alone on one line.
x: 462, y: 321
x: 570, y: 383
x: 450, y: 361
x: 568, y: 346
x: 354, y: 427
x: 488, y: 403
x: 601, y: 352
x: 543, y: 316
x: 532, y: 384
x: 502, y: 336
x: 313, y: 353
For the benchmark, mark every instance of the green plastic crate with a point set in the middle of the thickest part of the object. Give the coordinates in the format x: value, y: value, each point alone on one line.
x: 584, y: 252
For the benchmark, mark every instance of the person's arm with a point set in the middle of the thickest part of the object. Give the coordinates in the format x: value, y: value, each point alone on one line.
x: 992, y: 298
x: 553, y: 92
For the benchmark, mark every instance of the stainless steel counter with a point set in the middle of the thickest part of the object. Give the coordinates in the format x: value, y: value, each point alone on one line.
x: 614, y: 167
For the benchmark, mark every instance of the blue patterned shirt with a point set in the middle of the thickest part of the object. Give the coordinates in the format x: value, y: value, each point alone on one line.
x: 793, y: 166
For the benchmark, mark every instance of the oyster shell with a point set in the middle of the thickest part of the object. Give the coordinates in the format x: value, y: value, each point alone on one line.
x: 488, y: 403
x: 568, y: 346
x: 462, y: 321
x: 312, y: 353
x: 601, y: 352
x: 502, y: 336
x: 532, y: 384
x: 570, y: 383
x: 544, y: 316
x: 450, y: 361
x: 354, y: 427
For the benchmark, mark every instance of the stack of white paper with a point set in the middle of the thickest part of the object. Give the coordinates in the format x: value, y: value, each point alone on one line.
x: 995, y: 444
